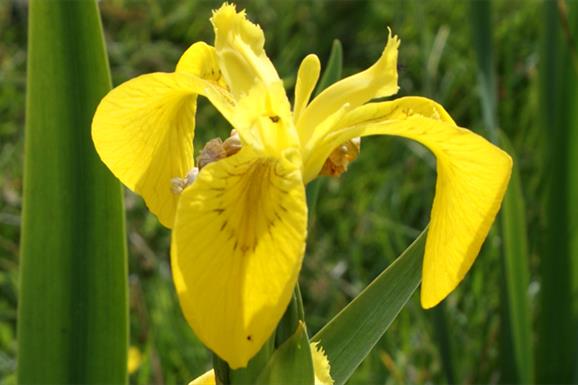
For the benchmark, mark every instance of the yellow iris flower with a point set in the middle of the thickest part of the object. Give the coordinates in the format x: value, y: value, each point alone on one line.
x: 239, y: 226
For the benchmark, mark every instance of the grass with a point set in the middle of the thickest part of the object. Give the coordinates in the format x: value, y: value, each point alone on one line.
x: 364, y: 219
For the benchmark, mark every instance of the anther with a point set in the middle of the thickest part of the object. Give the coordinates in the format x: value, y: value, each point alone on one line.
x: 212, y: 152
x: 340, y: 158
x: 232, y: 144
x: 216, y: 149
x: 179, y: 184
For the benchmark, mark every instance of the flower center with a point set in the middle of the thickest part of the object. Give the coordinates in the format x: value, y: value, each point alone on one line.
x: 214, y: 150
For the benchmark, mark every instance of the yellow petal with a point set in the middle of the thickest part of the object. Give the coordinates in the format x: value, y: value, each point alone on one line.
x: 263, y: 119
x: 321, y: 365
x: 143, y: 131
x: 240, y: 50
x: 200, y: 60
x: 207, y: 378
x: 134, y: 359
x: 472, y: 176
x: 379, y: 80
x: 347, y: 123
x: 237, y: 247
x: 307, y: 77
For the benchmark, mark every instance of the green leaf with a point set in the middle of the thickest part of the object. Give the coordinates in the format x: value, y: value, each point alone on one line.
x: 440, y: 325
x: 331, y: 74
x: 73, y: 313
x: 516, y: 352
x: 292, y: 318
x: 515, y: 249
x: 254, y: 368
x: 333, y: 69
x: 480, y: 12
x: 291, y: 363
x: 557, y: 353
x: 351, y: 334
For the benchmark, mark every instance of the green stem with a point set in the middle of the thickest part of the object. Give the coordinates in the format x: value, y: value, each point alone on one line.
x: 290, y: 321
x: 221, y: 370
x: 442, y: 336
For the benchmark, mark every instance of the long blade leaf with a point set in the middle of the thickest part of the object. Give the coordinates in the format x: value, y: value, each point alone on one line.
x: 517, y: 353
x: 351, y: 334
x: 291, y: 363
x: 516, y: 269
x: 334, y: 67
x: 73, y: 273
x: 556, y: 354
x: 331, y: 75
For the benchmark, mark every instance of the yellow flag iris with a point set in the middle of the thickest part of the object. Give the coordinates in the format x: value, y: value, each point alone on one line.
x: 240, y: 225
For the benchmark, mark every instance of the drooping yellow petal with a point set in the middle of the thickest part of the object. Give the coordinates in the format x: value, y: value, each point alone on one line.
x: 207, y: 378
x: 307, y: 77
x: 321, y: 365
x: 143, y: 131
x: 240, y: 50
x: 200, y: 60
x: 348, y: 123
x: 236, y: 250
x: 379, y: 80
x: 472, y: 176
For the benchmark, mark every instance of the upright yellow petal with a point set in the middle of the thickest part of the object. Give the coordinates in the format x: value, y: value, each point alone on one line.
x: 240, y: 50
x: 263, y: 120
x: 307, y: 77
x: 379, y: 80
x: 200, y: 59
x: 237, y: 247
x: 201, y: 63
x: 143, y: 131
x: 472, y: 176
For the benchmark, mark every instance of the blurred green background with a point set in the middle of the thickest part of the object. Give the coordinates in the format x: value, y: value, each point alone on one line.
x: 369, y: 215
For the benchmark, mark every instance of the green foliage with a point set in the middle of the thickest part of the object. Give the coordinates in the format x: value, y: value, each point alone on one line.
x: 72, y: 313
x: 290, y: 362
x: 332, y: 72
x: 517, y: 277
x: 516, y: 349
x: 350, y: 335
x: 333, y: 69
x: 558, y: 319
